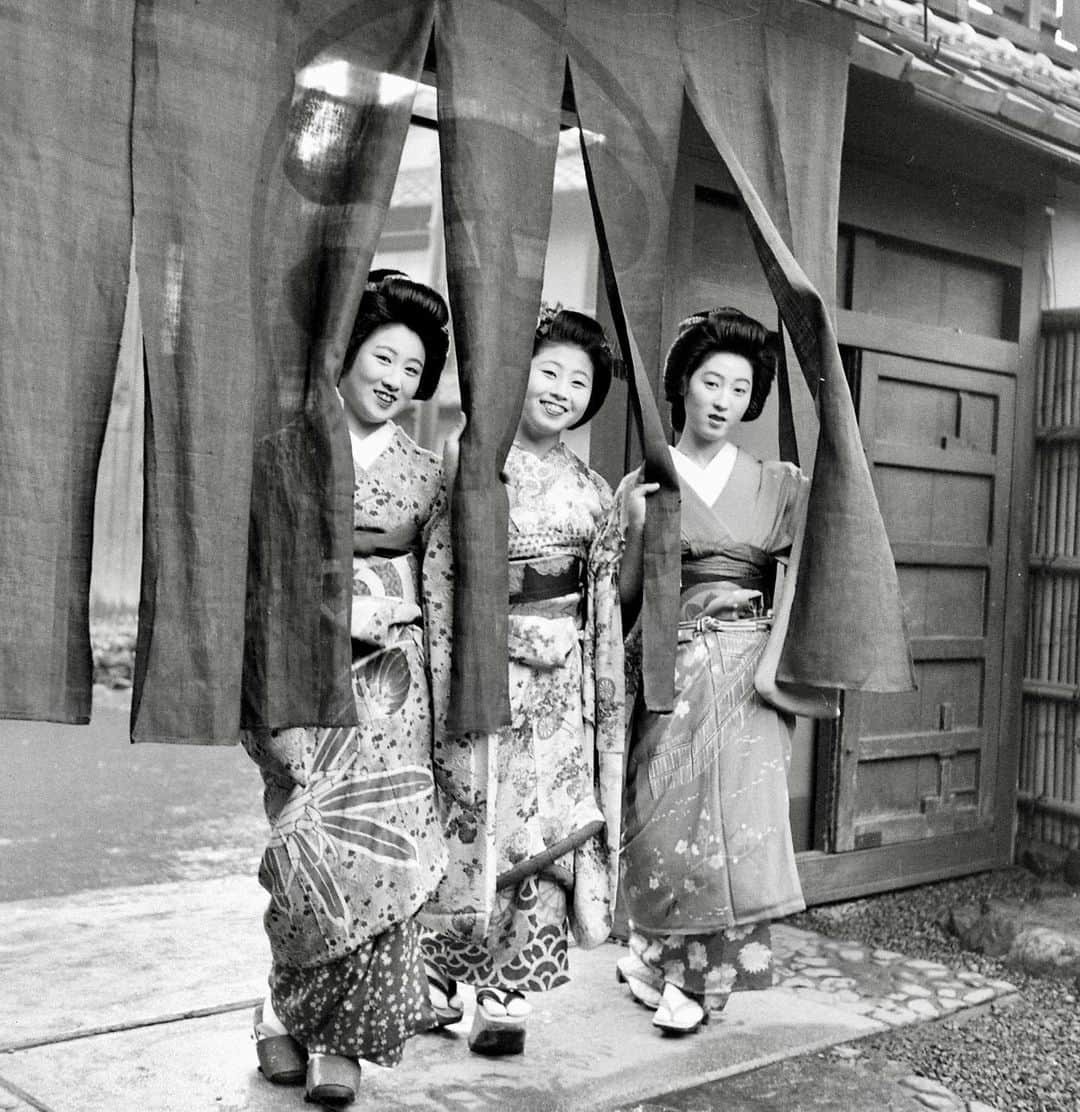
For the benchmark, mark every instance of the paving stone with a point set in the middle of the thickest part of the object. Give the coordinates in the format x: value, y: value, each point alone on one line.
x: 950, y: 1004
x: 979, y: 995
x: 837, y: 984
x: 1004, y: 986
x: 938, y: 1103
x: 913, y: 989
x: 947, y: 993
x: 845, y: 1050
x: 920, y: 963
x: 813, y: 960
x: 853, y: 954
x: 886, y: 956
x: 920, y: 1084
x: 970, y: 978
x: 924, y: 1008
x: 821, y: 971
x: 796, y: 982
x: 848, y: 996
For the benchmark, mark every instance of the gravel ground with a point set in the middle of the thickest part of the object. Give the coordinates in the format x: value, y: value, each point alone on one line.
x: 1021, y: 1054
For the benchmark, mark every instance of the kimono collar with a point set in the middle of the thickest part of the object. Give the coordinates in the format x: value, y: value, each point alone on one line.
x: 367, y: 449
x: 706, y: 482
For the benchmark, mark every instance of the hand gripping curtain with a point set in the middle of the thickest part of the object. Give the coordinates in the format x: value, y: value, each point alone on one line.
x: 65, y: 222
x: 622, y: 58
x: 266, y: 140
x: 501, y: 70
x: 740, y: 58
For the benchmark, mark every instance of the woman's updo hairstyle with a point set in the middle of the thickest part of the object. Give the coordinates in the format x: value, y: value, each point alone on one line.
x: 557, y: 325
x: 391, y: 297
x: 712, y: 331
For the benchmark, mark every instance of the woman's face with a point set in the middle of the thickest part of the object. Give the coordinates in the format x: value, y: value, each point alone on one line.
x: 560, y: 385
x: 384, y: 376
x: 717, y: 396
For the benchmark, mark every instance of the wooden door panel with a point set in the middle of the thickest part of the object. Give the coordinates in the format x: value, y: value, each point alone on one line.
x: 921, y: 764
x: 943, y: 601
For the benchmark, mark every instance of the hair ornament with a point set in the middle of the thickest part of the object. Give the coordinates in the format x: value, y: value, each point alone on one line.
x: 546, y: 316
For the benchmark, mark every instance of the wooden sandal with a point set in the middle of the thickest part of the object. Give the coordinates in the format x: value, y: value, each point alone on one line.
x: 631, y: 971
x: 495, y: 1034
x: 282, y: 1060
x: 332, y: 1079
x: 449, y: 1009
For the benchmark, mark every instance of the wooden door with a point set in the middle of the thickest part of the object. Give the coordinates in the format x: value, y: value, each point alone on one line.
x: 939, y: 441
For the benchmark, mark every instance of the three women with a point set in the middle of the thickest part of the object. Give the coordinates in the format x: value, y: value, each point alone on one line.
x: 525, y: 850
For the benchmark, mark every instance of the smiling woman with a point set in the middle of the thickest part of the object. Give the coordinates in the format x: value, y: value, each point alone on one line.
x: 355, y: 845
x: 548, y: 837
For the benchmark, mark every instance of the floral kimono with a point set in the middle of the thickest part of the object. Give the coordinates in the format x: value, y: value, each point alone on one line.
x: 707, y: 851
x: 533, y: 813
x: 356, y: 845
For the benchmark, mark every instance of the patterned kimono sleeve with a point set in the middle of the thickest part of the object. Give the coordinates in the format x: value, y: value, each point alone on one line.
x: 463, y: 767
x: 603, y: 685
x: 437, y: 591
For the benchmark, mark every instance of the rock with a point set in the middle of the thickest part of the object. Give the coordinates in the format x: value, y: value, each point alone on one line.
x: 1045, y: 950
x: 988, y: 929
x: 978, y: 1106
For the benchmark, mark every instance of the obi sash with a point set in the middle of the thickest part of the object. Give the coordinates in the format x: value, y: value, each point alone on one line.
x: 538, y: 579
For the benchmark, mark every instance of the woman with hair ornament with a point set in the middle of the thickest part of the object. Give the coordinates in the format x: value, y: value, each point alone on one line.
x: 707, y: 852
x: 533, y: 812
x: 356, y: 844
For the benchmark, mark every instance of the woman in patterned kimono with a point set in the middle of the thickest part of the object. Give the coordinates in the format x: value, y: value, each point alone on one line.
x: 356, y: 845
x: 707, y: 851
x: 533, y: 812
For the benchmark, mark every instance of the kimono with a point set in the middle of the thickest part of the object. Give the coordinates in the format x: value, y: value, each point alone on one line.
x: 356, y: 845
x: 707, y: 853
x: 532, y: 813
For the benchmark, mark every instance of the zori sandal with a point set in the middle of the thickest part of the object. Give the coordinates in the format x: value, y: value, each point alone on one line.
x: 282, y: 1059
x: 643, y: 984
x: 443, y: 998
x: 499, y: 1022
x: 332, y: 1079
x: 678, y: 1014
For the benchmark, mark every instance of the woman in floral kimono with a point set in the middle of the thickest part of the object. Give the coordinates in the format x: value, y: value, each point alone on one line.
x: 707, y: 851
x: 533, y: 812
x: 356, y: 846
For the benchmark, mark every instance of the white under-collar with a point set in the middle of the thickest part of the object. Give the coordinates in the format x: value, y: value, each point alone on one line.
x: 707, y: 482
x: 367, y: 449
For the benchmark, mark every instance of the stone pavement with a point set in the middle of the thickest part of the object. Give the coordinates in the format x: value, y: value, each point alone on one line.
x: 139, y: 999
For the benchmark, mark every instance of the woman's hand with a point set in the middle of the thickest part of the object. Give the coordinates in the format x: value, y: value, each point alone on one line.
x: 732, y: 602
x: 635, y: 506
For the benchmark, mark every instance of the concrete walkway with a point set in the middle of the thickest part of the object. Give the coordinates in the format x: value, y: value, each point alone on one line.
x: 139, y: 999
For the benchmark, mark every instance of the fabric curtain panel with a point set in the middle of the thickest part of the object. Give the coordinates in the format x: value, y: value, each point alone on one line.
x: 622, y: 58
x: 789, y: 145
x: 265, y: 144
x: 501, y: 69
x: 332, y: 160
x: 847, y: 627
x: 65, y: 223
